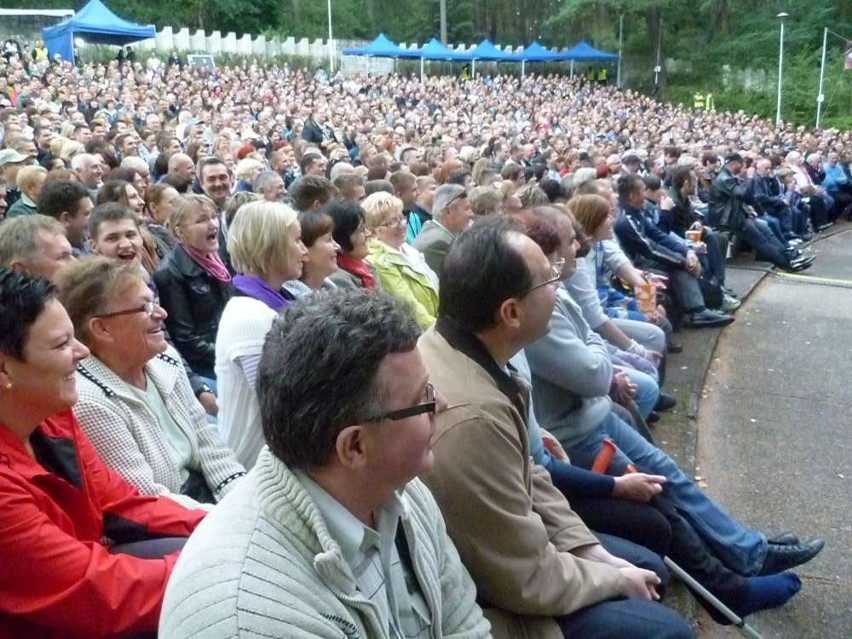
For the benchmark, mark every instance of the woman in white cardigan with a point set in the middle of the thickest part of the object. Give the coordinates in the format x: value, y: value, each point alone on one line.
x: 264, y: 242
x: 135, y: 401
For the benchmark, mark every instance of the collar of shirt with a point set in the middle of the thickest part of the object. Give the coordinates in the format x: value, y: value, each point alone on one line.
x: 353, y: 536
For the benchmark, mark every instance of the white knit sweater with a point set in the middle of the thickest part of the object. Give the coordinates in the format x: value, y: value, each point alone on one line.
x: 263, y: 564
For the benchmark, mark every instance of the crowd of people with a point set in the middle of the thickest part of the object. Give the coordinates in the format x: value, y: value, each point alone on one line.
x: 375, y: 334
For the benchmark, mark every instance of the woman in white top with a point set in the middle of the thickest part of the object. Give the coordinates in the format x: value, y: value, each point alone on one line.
x: 264, y: 241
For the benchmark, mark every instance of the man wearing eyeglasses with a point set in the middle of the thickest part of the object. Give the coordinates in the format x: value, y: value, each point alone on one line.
x: 333, y: 535
x: 537, y: 568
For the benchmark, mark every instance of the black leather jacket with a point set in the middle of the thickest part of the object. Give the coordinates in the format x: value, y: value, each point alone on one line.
x: 194, y: 302
x: 728, y: 198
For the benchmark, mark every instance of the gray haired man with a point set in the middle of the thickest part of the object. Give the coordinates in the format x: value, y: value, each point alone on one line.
x: 451, y: 215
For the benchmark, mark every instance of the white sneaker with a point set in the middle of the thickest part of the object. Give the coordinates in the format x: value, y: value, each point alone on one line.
x: 730, y: 304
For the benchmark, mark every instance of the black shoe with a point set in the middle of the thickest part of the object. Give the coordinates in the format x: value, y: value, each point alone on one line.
x: 807, y: 237
x: 652, y: 418
x: 785, y: 539
x: 674, y: 347
x: 708, y: 319
x: 665, y: 402
x: 780, y: 558
x: 800, y: 263
x: 823, y: 227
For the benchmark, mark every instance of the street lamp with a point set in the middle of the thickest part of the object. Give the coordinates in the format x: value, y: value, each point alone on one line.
x: 781, y: 16
x: 330, y: 43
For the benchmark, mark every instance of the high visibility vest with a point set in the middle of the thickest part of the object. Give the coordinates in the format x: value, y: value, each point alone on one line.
x: 709, y: 103
x: 602, y: 74
x: 698, y: 101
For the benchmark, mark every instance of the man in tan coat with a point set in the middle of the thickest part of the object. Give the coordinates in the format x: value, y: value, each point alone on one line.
x: 538, y: 569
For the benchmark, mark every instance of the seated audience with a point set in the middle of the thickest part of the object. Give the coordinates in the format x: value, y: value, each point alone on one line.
x: 193, y: 282
x: 266, y: 249
x: 320, y: 261
x: 544, y: 574
x: 332, y: 530
x: 350, y: 233
x: 136, y: 403
x: 451, y: 215
x: 30, y: 181
x: 68, y: 202
x: 402, y: 270
x: 83, y: 553
x: 34, y: 244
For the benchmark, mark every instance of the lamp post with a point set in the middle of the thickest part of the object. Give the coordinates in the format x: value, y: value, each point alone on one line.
x: 781, y: 16
x: 620, y: 44
x: 330, y: 43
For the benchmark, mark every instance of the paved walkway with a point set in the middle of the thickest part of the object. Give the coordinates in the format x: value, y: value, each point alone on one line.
x: 767, y: 431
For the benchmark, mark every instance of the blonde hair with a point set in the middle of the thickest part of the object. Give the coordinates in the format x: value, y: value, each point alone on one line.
x: 378, y: 207
x: 28, y: 176
x: 257, y: 237
x: 186, y: 206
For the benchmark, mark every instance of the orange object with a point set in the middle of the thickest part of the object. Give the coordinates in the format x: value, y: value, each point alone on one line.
x: 604, y: 457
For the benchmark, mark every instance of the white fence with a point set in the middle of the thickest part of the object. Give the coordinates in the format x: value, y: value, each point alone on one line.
x: 215, y: 43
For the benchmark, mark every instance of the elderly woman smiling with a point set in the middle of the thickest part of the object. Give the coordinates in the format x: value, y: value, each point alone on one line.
x: 264, y: 241
x: 136, y: 403
x: 401, y: 269
x: 58, y: 500
x: 194, y: 283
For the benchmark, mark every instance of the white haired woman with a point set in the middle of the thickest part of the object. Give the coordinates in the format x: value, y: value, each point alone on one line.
x: 401, y: 268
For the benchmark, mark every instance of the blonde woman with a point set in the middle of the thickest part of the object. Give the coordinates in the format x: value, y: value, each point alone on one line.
x: 194, y: 283
x: 264, y: 241
x: 401, y: 269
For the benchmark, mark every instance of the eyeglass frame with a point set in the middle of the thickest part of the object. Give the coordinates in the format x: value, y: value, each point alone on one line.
x: 429, y: 406
x: 147, y: 307
x: 396, y: 222
x: 556, y: 269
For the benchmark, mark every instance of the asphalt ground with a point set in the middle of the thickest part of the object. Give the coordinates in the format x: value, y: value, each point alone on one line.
x: 763, y: 422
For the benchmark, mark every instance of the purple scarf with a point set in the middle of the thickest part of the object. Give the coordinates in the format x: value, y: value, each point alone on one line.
x: 255, y: 287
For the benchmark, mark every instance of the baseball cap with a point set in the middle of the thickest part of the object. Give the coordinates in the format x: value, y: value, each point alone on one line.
x: 733, y: 157
x: 11, y: 156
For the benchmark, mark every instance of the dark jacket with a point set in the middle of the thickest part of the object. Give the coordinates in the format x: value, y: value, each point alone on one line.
x: 678, y: 219
x: 728, y: 197
x: 645, y: 244
x: 766, y: 194
x: 194, y: 302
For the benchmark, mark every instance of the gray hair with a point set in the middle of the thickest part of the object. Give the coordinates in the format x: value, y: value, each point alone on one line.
x: 445, y: 194
x: 18, y: 237
x: 263, y: 180
x: 324, y: 344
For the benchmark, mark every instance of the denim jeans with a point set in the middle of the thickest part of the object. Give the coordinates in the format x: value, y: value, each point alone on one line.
x: 647, y: 390
x: 740, y: 548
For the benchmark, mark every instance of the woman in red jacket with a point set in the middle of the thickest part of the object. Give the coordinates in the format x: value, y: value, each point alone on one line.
x: 83, y: 554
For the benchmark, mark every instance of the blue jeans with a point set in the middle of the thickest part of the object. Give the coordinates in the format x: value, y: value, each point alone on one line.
x: 740, y: 548
x: 647, y: 390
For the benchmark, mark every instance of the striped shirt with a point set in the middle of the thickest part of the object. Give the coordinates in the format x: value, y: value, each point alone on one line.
x: 374, y: 558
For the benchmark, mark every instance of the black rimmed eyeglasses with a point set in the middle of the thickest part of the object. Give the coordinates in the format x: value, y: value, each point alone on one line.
x: 418, y: 409
x: 147, y: 308
x: 555, y: 276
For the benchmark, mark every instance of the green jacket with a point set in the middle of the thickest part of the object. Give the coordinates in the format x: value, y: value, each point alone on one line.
x: 19, y: 209
x: 400, y: 278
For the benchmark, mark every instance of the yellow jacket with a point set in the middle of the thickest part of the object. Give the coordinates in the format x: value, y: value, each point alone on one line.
x: 402, y: 277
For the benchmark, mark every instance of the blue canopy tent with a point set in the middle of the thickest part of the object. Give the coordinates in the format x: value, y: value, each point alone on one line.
x: 95, y: 23
x: 537, y: 53
x: 486, y: 50
x: 381, y: 47
x: 584, y: 52
x: 434, y: 50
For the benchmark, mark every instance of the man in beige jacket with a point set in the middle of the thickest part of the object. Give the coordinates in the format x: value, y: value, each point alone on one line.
x: 538, y: 570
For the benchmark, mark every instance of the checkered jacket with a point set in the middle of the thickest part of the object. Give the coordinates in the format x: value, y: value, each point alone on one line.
x: 129, y: 439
